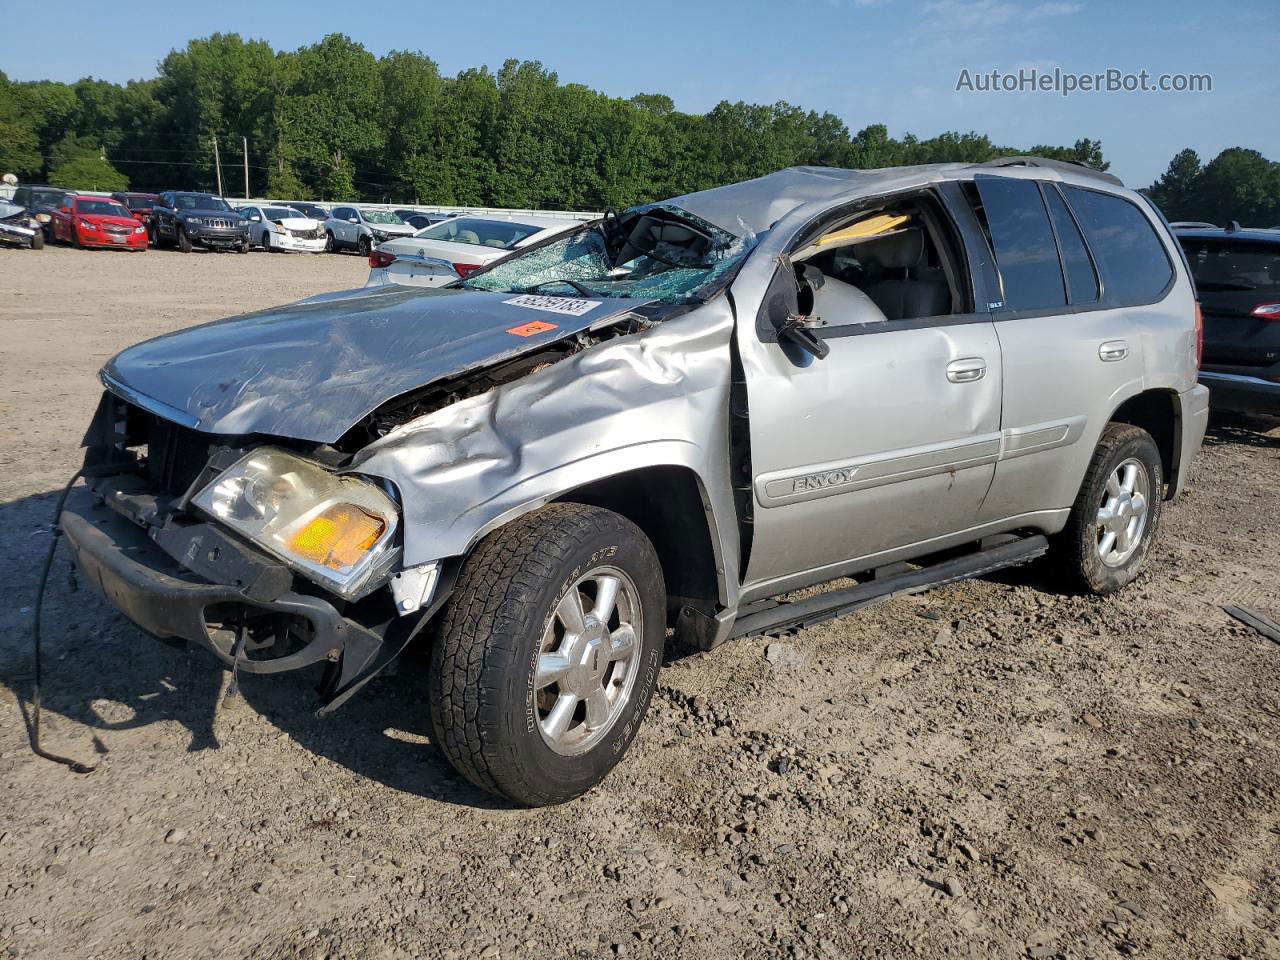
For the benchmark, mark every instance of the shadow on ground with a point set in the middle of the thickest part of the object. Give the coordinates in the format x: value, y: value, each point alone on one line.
x: 109, y: 679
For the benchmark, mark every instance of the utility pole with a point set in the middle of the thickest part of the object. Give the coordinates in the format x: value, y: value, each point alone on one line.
x: 245, y: 141
x: 217, y: 164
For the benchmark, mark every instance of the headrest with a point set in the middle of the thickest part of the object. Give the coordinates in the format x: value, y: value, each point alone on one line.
x: 896, y: 251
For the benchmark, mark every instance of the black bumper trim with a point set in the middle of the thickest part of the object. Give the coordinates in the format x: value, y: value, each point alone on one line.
x: 156, y: 594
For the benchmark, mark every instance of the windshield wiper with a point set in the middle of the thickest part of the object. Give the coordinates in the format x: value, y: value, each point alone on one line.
x: 585, y: 291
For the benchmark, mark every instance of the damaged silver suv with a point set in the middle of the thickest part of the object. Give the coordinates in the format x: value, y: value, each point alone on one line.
x: 661, y: 422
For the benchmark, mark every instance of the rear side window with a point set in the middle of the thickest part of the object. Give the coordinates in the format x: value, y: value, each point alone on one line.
x: 1132, y: 258
x: 1023, y: 243
x: 1082, y: 280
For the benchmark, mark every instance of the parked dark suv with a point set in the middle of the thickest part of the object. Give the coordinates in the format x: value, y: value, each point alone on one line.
x: 1237, y: 274
x: 41, y: 200
x: 188, y: 220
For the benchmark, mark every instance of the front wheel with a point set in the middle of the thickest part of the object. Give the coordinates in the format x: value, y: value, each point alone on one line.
x: 184, y: 242
x: 330, y: 245
x: 1117, y: 512
x: 548, y: 653
x: 363, y: 246
x: 37, y: 241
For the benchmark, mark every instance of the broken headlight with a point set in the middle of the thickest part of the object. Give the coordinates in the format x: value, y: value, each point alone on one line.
x: 332, y: 529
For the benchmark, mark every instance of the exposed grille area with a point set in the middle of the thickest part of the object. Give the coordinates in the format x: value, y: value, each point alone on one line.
x: 175, y: 455
x: 306, y: 234
x: 219, y: 224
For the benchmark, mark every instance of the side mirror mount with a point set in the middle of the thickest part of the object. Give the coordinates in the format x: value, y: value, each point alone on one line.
x: 789, y: 302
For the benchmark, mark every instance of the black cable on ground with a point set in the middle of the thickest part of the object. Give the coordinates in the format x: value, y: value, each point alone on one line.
x: 33, y: 724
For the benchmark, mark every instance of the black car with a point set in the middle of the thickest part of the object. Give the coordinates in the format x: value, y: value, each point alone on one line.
x: 1237, y: 274
x: 312, y: 210
x: 188, y: 220
x: 41, y: 200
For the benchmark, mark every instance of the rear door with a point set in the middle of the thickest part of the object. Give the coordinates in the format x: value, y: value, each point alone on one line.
x: 1082, y: 273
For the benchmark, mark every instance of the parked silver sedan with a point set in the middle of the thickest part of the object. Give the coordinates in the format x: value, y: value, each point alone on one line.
x: 457, y: 247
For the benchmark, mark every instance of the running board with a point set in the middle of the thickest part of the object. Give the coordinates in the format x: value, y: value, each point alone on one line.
x: 781, y: 617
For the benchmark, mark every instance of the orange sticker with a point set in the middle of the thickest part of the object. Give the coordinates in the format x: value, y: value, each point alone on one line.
x: 529, y: 329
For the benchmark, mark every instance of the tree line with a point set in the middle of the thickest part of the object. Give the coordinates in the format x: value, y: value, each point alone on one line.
x: 332, y: 121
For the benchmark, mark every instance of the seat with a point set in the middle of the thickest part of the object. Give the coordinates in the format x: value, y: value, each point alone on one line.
x: 467, y: 236
x: 902, y: 284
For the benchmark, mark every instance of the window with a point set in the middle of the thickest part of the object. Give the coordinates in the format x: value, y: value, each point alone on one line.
x: 889, y: 263
x: 1082, y: 280
x: 1227, y: 265
x: 1025, y: 252
x: 1132, y: 258
x: 499, y: 234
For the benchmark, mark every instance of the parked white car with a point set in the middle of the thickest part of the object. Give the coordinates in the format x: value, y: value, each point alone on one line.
x: 283, y: 228
x: 351, y: 229
x: 456, y: 248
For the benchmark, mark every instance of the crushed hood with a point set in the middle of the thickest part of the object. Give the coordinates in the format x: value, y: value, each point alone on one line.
x: 311, y: 370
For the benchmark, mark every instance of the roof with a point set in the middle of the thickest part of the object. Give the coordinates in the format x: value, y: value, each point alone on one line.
x: 756, y: 205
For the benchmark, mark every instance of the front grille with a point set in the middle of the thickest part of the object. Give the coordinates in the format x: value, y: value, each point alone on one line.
x: 220, y: 224
x: 306, y: 234
x: 175, y: 455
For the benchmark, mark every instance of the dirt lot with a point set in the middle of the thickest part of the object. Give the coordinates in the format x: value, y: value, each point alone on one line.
x: 996, y: 769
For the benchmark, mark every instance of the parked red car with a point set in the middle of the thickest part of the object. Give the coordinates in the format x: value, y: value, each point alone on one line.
x: 139, y: 204
x: 98, y: 222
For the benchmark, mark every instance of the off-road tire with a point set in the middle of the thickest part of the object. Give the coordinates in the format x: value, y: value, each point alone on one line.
x: 1077, y: 546
x: 184, y: 242
x: 483, y: 660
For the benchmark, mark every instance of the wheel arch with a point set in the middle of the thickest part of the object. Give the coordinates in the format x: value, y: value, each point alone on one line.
x: 669, y: 505
x: 1158, y: 412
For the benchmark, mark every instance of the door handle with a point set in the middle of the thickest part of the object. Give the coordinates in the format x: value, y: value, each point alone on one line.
x: 1113, y: 350
x: 966, y: 370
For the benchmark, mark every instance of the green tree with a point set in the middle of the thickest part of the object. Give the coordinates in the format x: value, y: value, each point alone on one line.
x: 1174, y: 192
x: 19, y: 141
x: 1238, y: 184
x: 78, y: 164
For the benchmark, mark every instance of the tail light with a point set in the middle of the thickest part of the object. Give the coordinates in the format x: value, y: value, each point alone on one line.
x: 379, y: 258
x: 1199, y: 335
x: 1267, y: 311
x: 466, y: 269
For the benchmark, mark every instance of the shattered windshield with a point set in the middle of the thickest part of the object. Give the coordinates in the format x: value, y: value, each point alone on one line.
x: 650, y: 253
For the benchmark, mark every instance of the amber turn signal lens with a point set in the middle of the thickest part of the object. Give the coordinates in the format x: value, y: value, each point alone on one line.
x: 337, y: 537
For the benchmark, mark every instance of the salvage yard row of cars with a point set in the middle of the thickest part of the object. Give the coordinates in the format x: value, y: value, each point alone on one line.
x: 186, y: 220
x: 666, y: 419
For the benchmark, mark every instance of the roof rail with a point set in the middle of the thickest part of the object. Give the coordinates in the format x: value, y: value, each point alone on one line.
x: 1064, y: 165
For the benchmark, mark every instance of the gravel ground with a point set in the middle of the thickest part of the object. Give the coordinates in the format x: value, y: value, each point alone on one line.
x: 996, y: 769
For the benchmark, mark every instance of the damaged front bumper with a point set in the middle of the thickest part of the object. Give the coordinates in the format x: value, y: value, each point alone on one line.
x: 239, y: 606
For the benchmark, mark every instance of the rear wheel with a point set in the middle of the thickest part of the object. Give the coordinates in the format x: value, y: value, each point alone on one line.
x: 1117, y: 512
x: 548, y: 653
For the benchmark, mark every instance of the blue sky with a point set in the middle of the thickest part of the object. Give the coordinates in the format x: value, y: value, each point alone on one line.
x: 867, y: 61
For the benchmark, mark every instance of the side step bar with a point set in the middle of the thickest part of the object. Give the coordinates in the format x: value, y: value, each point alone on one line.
x: 771, y: 618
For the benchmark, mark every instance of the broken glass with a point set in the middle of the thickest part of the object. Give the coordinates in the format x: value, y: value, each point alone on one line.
x: 582, y: 264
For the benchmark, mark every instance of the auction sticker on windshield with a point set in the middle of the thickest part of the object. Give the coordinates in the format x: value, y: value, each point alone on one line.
x: 565, y: 305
